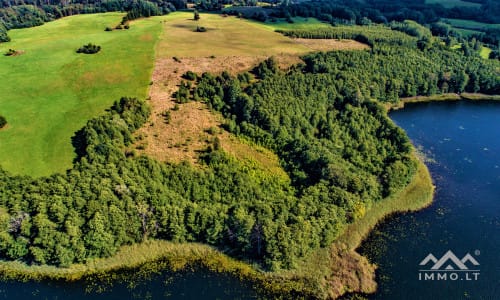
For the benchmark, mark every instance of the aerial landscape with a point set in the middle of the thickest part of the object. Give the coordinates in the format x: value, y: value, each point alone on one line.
x: 236, y: 149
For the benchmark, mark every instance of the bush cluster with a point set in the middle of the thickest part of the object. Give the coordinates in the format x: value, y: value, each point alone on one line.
x: 89, y: 49
x: 3, y: 121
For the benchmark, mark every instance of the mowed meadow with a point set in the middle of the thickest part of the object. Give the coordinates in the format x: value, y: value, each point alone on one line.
x: 49, y: 91
x: 225, y: 36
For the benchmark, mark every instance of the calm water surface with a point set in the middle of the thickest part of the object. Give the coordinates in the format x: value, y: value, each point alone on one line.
x: 462, y: 140
x: 184, y: 285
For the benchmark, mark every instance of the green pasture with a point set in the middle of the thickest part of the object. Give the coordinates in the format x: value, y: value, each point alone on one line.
x: 48, y: 92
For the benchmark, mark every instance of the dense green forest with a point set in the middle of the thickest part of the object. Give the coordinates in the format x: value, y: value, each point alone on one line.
x: 111, y: 198
x: 346, y: 12
x: 383, y: 11
x: 322, y: 118
x: 402, y: 66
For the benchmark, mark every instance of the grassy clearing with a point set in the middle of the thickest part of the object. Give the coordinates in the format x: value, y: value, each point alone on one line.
x: 54, y: 90
x: 453, y: 3
x: 225, y: 36
x: 467, y: 32
x: 485, y: 52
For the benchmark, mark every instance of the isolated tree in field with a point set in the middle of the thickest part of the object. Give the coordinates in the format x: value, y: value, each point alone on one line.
x: 196, y: 15
x: 3, y: 121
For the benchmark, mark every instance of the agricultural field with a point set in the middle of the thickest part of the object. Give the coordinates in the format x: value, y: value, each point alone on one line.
x: 54, y: 90
x: 453, y: 3
x: 470, y: 25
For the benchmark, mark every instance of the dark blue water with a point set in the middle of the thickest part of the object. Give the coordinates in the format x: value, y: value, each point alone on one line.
x: 183, y: 285
x: 463, y: 141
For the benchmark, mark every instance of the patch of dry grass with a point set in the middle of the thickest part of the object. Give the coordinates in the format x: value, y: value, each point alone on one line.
x: 331, y: 44
x: 230, y: 44
x: 185, y: 136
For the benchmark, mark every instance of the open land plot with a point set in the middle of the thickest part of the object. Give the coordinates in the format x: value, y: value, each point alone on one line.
x: 49, y: 92
x: 229, y: 44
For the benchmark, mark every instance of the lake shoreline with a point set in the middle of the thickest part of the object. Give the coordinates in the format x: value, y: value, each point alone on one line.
x: 327, y: 273
x: 346, y: 270
x: 442, y: 97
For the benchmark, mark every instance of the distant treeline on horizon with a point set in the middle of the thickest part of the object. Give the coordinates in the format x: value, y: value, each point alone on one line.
x: 29, y: 13
x: 23, y: 14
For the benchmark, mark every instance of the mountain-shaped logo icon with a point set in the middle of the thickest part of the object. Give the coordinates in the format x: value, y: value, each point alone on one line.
x: 449, y: 261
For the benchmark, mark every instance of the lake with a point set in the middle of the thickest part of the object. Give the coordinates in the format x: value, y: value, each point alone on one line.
x: 461, y: 142
x: 191, y: 284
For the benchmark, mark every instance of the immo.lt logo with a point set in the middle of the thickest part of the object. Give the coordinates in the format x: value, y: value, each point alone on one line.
x: 449, y: 267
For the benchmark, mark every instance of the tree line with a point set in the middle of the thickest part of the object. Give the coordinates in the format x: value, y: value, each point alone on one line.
x: 343, y: 12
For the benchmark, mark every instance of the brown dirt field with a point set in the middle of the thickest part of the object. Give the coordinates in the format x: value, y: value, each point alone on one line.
x: 331, y: 44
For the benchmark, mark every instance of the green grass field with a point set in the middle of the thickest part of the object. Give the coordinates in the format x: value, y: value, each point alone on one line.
x: 453, y: 3
x: 298, y: 23
x: 49, y: 92
x: 470, y: 25
x: 485, y: 52
x: 225, y: 36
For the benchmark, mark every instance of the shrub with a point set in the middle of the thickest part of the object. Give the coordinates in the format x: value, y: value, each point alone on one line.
x: 166, y: 116
x: 89, y: 49
x: 3, y: 121
x: 10, y: 52
x: 190, y: 75
x: 200, y: 29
